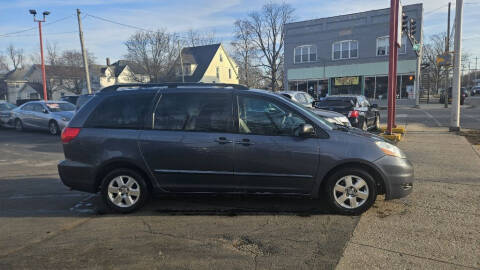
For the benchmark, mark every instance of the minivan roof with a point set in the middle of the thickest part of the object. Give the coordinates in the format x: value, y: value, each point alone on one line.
x: 133, y: 86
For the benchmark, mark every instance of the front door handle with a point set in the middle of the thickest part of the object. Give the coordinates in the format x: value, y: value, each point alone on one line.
x: 223, y: 140
x: 245, y: 142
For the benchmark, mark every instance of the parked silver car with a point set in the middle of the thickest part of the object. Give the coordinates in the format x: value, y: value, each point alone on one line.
x: 307, y: 101
x: 5, y: 113
x: 51, y: 115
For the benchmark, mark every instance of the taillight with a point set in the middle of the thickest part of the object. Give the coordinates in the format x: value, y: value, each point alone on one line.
x: 353, y: 114
x: 69, y: 134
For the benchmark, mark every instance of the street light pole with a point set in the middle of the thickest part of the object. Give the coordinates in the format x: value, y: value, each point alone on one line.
x: 44, y: 76
x: 457, y: 79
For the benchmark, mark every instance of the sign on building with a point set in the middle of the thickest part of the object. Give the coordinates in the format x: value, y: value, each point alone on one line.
x: 346, y: 81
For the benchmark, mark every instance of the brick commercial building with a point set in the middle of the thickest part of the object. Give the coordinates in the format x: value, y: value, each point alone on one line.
x: 348, y: 54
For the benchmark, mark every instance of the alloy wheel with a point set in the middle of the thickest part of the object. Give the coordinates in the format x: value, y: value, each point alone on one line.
x: 18, y: 125
x: 351, y: 191
x: 52, y: 127
x: 123, y: 191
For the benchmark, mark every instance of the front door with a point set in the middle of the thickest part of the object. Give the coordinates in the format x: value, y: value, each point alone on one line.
x: 189, y: 147
x: 270, y: 157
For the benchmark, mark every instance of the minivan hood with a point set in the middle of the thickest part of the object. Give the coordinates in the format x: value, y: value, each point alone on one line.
x: 364, y: 134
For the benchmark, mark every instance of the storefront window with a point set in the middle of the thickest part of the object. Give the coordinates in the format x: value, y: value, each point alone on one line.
x: 370, y: 87
x: 381, y: 88
x: 312, y: 88
x: 292, y: 85
x: 302, y: 86
x: 322, y: 88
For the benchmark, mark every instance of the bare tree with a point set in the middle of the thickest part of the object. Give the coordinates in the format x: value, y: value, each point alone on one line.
x: 65, y: 71
x: 155, y: 52
x: 16, y: 56
x: 245, y: 53
x: 267, y: 27
x: 199, y: 38
x: 3, y: 63
x: 53, y: 54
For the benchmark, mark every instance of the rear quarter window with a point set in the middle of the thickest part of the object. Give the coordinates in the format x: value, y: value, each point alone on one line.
x: 122, y: 111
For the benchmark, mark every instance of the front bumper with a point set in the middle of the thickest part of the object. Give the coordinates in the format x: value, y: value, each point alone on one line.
x: 78, y: 176
x: 398, y: 176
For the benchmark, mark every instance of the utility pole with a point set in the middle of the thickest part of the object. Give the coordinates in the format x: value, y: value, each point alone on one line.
x: 84, y: 53
x: 392, y: 64
x: 447, y: 50
x: 476, y: 58
x: 181, y: 61
x: 418, y: 70
x: 457, y: 80
x: 44, y: 76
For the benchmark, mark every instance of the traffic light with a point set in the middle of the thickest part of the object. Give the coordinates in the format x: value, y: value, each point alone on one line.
x: 413, y: 27
x: 404, y: 22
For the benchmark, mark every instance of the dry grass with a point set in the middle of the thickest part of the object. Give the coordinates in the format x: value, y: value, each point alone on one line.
x: 473, y: 136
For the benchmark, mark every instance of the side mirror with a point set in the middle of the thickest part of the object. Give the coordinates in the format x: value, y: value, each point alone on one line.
x: 45, y: 111
x: 375, y: 106
x: 315, y: 103
x: 306, y: 130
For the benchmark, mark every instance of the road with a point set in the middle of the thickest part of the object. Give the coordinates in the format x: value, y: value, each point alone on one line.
x: 44, y: 225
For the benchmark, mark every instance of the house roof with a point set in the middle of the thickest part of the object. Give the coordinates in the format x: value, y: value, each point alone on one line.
x: 19, y: 74
x: 120, y: 65
x: 201, y: 56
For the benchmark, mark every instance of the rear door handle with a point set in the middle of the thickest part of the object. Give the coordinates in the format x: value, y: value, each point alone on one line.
x: 223, y: 140
x: 245, y: 142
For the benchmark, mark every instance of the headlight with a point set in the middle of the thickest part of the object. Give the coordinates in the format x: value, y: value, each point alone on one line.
x: 65, y: 119
x: 390, y: 149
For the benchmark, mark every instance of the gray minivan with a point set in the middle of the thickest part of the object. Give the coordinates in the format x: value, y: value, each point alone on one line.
x: 130, y: 141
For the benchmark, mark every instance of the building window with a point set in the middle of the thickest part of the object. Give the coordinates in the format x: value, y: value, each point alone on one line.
x: 383, y: 45
x: 229, y: 73
x: 305, y: 53
x: 218, y: 73
x: 345, y: 49
x: 221, y: 58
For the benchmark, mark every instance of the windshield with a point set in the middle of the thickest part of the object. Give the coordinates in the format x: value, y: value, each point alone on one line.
x: 60, y: 107
x: 7, y: 106
x: 335, y: 102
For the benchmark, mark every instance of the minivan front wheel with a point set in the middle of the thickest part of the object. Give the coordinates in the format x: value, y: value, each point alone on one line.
x: 124, y: 190
x: 351, y: 191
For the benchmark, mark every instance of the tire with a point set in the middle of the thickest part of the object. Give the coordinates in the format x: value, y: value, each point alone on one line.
x: 134, y: 196
x: 364, y: 126
x: 377, y: 122
x: 18, y: 125
x: 53, y: 128
x: 361, y: 183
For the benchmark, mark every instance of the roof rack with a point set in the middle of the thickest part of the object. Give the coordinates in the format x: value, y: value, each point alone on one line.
x: 172, y: 85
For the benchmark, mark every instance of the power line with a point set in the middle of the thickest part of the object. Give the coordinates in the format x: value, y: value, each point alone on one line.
x: 119, y: 23
x: 433, y: 10
x: 12, y: 34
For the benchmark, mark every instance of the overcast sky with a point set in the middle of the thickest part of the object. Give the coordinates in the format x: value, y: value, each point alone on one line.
x: 105, y: 39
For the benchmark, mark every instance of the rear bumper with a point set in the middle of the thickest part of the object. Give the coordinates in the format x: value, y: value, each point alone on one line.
x: 78, y: 176
x: 398, y: 175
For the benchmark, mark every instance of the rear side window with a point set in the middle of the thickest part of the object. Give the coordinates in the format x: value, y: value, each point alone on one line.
x: 122, y: 111
x: 194, y: 112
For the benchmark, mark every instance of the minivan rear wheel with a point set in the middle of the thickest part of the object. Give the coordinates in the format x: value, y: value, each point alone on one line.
x: 351, y: 191
x: 124, y: 190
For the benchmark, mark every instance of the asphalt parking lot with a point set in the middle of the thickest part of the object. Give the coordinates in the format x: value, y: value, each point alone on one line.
x: 44, y: 225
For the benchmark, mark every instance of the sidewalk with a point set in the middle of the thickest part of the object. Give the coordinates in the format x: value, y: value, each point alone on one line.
x: 435, y: 227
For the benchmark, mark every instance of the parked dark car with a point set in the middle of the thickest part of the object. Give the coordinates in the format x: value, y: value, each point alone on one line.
x: 357, y: 108
x: 307, y: 101
x: 6, y: 113
x: 50, y: 115
x: 71, y: 99
x: 222, y: 138
x: 463, y: 96
x: 475, y: 90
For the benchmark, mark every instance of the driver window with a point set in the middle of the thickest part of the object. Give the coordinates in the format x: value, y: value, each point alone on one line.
x: 264, y: 117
